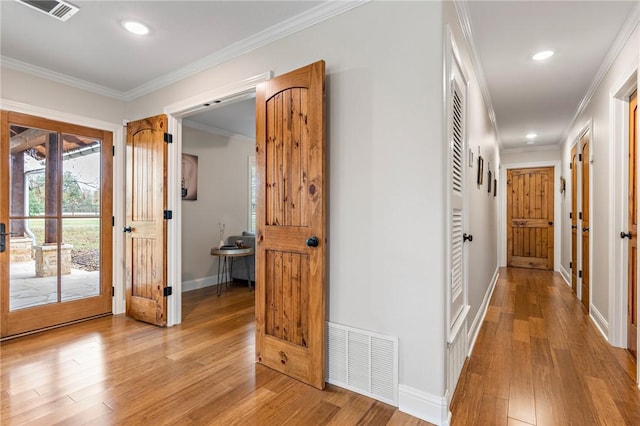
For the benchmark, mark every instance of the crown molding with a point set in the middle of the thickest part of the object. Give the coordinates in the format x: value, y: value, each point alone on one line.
x: 322, y: 12
x: 57, y: 77
x: 465, y: 24
x: 621, y: 40
x: 553, y: 147
x: 215, y: 130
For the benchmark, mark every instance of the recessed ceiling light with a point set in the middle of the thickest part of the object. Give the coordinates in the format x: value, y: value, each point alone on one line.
x: 135, y: 27
x: 531, y: 135
x: 541, y: 56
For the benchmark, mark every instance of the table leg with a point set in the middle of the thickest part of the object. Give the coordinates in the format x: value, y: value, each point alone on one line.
x: 248, y: 264
x: 219, y: 276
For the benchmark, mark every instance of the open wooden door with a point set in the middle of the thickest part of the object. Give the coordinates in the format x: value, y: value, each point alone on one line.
x: 146, y: 242
x: 584, y: 158
x: 530, y: 218
x: 290, y: 241
x: 574, y: 219
x: 632, y: 292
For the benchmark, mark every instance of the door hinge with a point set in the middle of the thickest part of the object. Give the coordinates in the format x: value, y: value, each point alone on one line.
x: 167, y: 291
x: 570, y: 215
x: 168, y: 138
x: 580, y: 215
x: 168, y: 214
x: 113, y: 151
x: 570, y: 265
x: 113, y: 221
x: 579, y: 157
x: 570, y: 165
x: 579, y: 274
x: 113, y: 291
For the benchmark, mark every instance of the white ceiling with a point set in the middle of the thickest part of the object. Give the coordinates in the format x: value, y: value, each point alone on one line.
x: 92, y: 51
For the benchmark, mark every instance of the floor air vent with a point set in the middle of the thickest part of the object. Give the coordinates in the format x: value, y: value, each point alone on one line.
x: 56, y: 8
x: 363, y: 362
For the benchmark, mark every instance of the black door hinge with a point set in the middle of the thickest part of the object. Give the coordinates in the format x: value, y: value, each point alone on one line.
x: 167, y: 291
x: 570, y: 265
x: 168, y: 138
x: 579, y: 157
x: 570, y: 165
x: 168, y: 214
x: 580, y: 215
x: 570, y: 215
x: 579, y: 274
x: 113, y: 221
x: 113, y: 291
x: 113, y: 151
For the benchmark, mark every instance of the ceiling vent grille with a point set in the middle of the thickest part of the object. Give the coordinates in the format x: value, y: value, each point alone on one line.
x: 57, y: 8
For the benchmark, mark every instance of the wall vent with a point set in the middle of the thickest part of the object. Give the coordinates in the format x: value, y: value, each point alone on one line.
x: 56, y: 8
x: 363, y: 362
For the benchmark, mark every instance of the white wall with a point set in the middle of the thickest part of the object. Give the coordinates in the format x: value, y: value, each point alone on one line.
x: 223, y: 194
x: 384, y: 105
x: 603, y: 237
x: 530, y: 156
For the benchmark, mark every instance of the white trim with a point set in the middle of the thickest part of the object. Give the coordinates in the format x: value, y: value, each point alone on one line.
x: 618, y: 202
x: 199, y: 283
x: 322, y: 12
x: 621, y: 40
x: 599, y: 321
x: 502, y: 214
x: 423, y: 405
x: 554, y: 147
x: 476, y: 63
x: 566, y: 276
x: 474, y: 330
x: 215, y: 130
x: 118, y: 302
x: 175, y: 113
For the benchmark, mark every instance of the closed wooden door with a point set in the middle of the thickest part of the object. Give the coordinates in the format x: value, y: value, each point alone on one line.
x: 530, y: 218
x: 55, y: 220
x: 145, y: 227
x: 584, y: 231
x: 574, y: 219
x: 632, y: 293
x: 290, y: 240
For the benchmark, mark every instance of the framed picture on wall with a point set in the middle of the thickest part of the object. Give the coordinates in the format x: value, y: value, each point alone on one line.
x: 480, y: 169
x: 495, y: 187
x: 189, y: 184
x: 489, y: 182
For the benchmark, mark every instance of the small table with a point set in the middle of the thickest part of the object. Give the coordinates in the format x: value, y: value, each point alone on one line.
x: 226, y: 252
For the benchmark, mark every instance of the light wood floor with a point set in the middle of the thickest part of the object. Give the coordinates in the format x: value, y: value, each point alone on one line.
x: 539, y: 360
x: 117, y: 371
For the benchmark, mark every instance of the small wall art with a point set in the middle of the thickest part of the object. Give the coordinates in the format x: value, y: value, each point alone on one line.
x: 189, y: 184
x: 480, y: 169
x: 489, y: 181
x: 495, y: 187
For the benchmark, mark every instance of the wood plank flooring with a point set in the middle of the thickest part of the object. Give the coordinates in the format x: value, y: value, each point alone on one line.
x: 539, y: 360
x: 114, y: 370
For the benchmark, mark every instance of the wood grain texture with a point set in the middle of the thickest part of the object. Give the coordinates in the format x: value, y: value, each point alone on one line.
x: 585, y: 225
x: 26, y: 320
x: 574, y: 219
x: 565, y: 373
x: 530, y: 218
x: 146, y: 200
x: 290, y: 276
x: 114, y: 370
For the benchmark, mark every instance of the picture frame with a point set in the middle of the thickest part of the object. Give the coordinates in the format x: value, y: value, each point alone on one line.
x: 480, y: 170
x: 489, y: 182
x: 189, y: 183
x: 495, y: 187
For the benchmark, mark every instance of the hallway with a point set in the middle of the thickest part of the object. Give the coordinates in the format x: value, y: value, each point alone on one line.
x: 540, y: 360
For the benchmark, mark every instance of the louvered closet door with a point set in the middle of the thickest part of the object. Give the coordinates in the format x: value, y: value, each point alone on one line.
x: 457, y: 149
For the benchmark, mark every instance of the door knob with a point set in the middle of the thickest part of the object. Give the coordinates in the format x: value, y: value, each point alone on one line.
x: 313, y: 241
x: 126, y: 229
x: 574, y: 226
x: 625, y: 235
x: 585, y: 229
x: 467, y: 237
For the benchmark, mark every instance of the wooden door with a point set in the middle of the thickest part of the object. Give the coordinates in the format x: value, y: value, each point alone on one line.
x: 574, y: 219
x: 56, y: 209
x: 291, y: 241
x: 530, y: 218
x: 632, y: 292
x: 585, y: 267
x: 145, y: 227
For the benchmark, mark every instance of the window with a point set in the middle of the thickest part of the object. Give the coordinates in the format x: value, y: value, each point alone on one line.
x: 253, y: 194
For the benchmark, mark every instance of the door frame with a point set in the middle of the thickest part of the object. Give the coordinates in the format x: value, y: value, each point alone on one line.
x: 587, y: 130
x: 502, y: 214
x: 118, y: 181
x: 618, y: 205
x: 175, y: 112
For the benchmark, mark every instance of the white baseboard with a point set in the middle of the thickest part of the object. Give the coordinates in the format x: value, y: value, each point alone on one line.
x: 474, y: 330
x: 199, y: 283
x: 430, y: 408
x: 566, y: 276
x: 601, y: 324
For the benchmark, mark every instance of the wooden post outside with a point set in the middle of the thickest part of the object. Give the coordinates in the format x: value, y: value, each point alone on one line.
x: 17, y: 192
x: 52, y: 188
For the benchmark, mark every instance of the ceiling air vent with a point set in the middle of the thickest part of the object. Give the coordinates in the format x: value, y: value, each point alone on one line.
x: 58, y: 9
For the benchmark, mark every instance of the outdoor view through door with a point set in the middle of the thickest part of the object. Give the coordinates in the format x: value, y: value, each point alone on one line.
x: 56, y: 211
